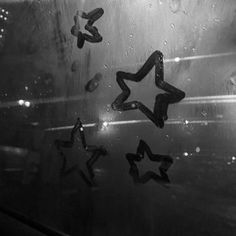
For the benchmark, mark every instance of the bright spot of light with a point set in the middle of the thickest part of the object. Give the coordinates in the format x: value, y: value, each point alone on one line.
x: 34, y: 123
x: 185, y: 154
x: 177, y: 59
x: 197, y: 149
x: 27, y: 104
x: 233, y: 158
x: 186, y: 122
x: 104, y: 125
x: 98, y: 170
x: 14, y: 150
x: 21, y: 102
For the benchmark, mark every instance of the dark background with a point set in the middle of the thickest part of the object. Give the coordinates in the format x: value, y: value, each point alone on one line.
x: 36, y: 55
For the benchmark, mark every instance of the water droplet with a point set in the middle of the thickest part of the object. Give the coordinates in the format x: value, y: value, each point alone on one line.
x: 75, y: 66
x: 195, y: 28
x: 131, y: 48
x: 131, y: 35
x: 172, y: 25
x: 194, y: 49
x: 185, y: 154
x: 213, y: 5
x: 175, y: 5
x: 204, y: 27
x: 108, y: 108
x: 217, y: 20
x: 26, y: 88
x: 219, y: 116
x: 160, y: 2
x: 93, y: 83
x: 204, y: 113
x: 105, y: 66
x: 165, y: 42
x: 197, y: 149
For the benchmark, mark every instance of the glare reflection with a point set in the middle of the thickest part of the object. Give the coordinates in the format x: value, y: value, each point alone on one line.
x: 127, y: 122
x: 188, y: 100
x: 27, y: 104
x: 105, y: 124
x: 21, y: 102
x: 185, y: 154
x: 178, y: 59
x: 14, y: 150
x: 186, y: 122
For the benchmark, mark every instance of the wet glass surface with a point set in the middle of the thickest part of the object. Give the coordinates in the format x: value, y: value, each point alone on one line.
x: 98, y: 179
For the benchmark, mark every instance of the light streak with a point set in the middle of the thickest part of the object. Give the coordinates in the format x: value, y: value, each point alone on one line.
x: 130, y: 122
x: 187, y: 100
x: 225, y: 98
x: 44, y: 101
x: 209, y: 99
x: 198, y: 57
x: 14, y: 150
x: 178, y: 59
